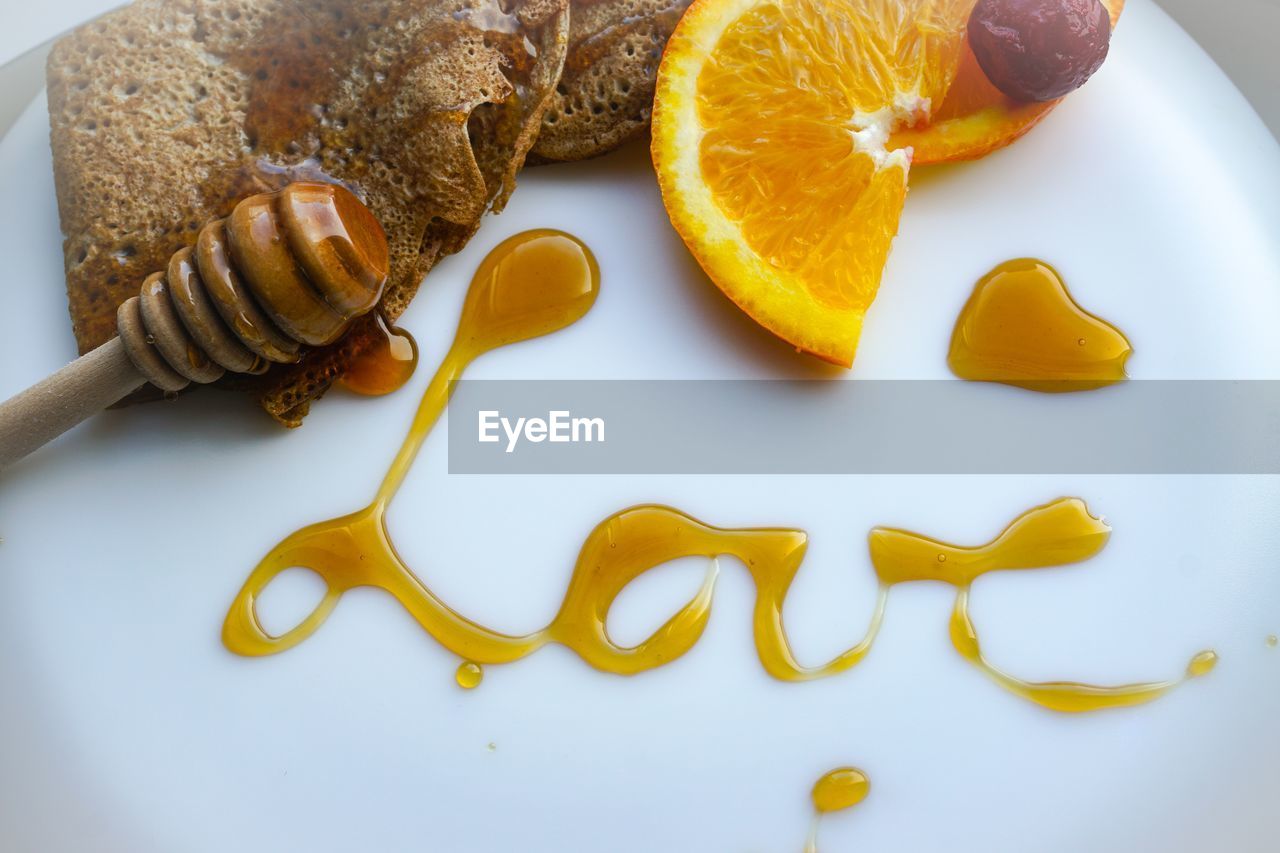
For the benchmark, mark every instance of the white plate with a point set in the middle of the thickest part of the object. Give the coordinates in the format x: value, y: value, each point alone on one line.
x: 125, y: 726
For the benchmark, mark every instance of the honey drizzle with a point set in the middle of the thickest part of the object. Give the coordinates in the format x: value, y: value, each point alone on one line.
x: 837, y: 790
x: 531, y: 285
x: 542, y: 281
x: 1056, y: 534
x: 1021, y: 327
x: 1066, y: 696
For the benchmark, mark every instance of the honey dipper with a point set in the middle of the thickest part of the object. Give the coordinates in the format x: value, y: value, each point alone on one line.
x: 286, y: 270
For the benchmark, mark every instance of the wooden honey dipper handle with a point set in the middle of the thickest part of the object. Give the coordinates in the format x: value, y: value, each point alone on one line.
x: 285, y: 270
x: 54, y: 405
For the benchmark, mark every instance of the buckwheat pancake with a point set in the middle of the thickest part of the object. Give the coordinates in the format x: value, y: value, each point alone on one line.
x: 167, y: 112
x: 605, y: 95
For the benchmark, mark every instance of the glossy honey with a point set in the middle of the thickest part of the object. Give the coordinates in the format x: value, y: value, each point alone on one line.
x: 840, y: 789
x: 1022, y: 327
x: 836, y: 790
x: 384, y: 364
x: 1057, y: 534
x: 537, y: 283
x: 469, y: 675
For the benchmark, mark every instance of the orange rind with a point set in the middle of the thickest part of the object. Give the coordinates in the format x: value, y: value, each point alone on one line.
x: 975, y: 118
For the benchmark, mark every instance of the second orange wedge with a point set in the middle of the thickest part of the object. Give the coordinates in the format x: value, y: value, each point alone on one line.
x: 975, y: 118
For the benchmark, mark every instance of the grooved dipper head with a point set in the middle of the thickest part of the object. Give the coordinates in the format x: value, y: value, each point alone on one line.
x: 312, y: 255
x: 291, y: 267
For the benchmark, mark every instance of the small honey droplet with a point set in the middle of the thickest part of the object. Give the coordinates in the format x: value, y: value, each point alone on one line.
x: 469, y: 675
x: 942, y: 558
x: 1080, y: 342
x: 1273, y: 640
x: 840, y: 789
x: 385, y: 364
x: 1202, y: 664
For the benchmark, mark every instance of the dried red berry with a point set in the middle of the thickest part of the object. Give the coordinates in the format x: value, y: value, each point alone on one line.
x: 1038, y: 50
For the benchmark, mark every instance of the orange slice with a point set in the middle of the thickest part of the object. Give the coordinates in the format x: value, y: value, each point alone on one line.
x: 771, y: 126
x: 975, y: 118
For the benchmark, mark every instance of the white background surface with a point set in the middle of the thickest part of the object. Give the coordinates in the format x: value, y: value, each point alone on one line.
x: 1241, y: 36
x: 125, y: 726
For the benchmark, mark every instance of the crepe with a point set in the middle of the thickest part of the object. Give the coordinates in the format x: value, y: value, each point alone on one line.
x: 605, y: 96
x: 167, y: 112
